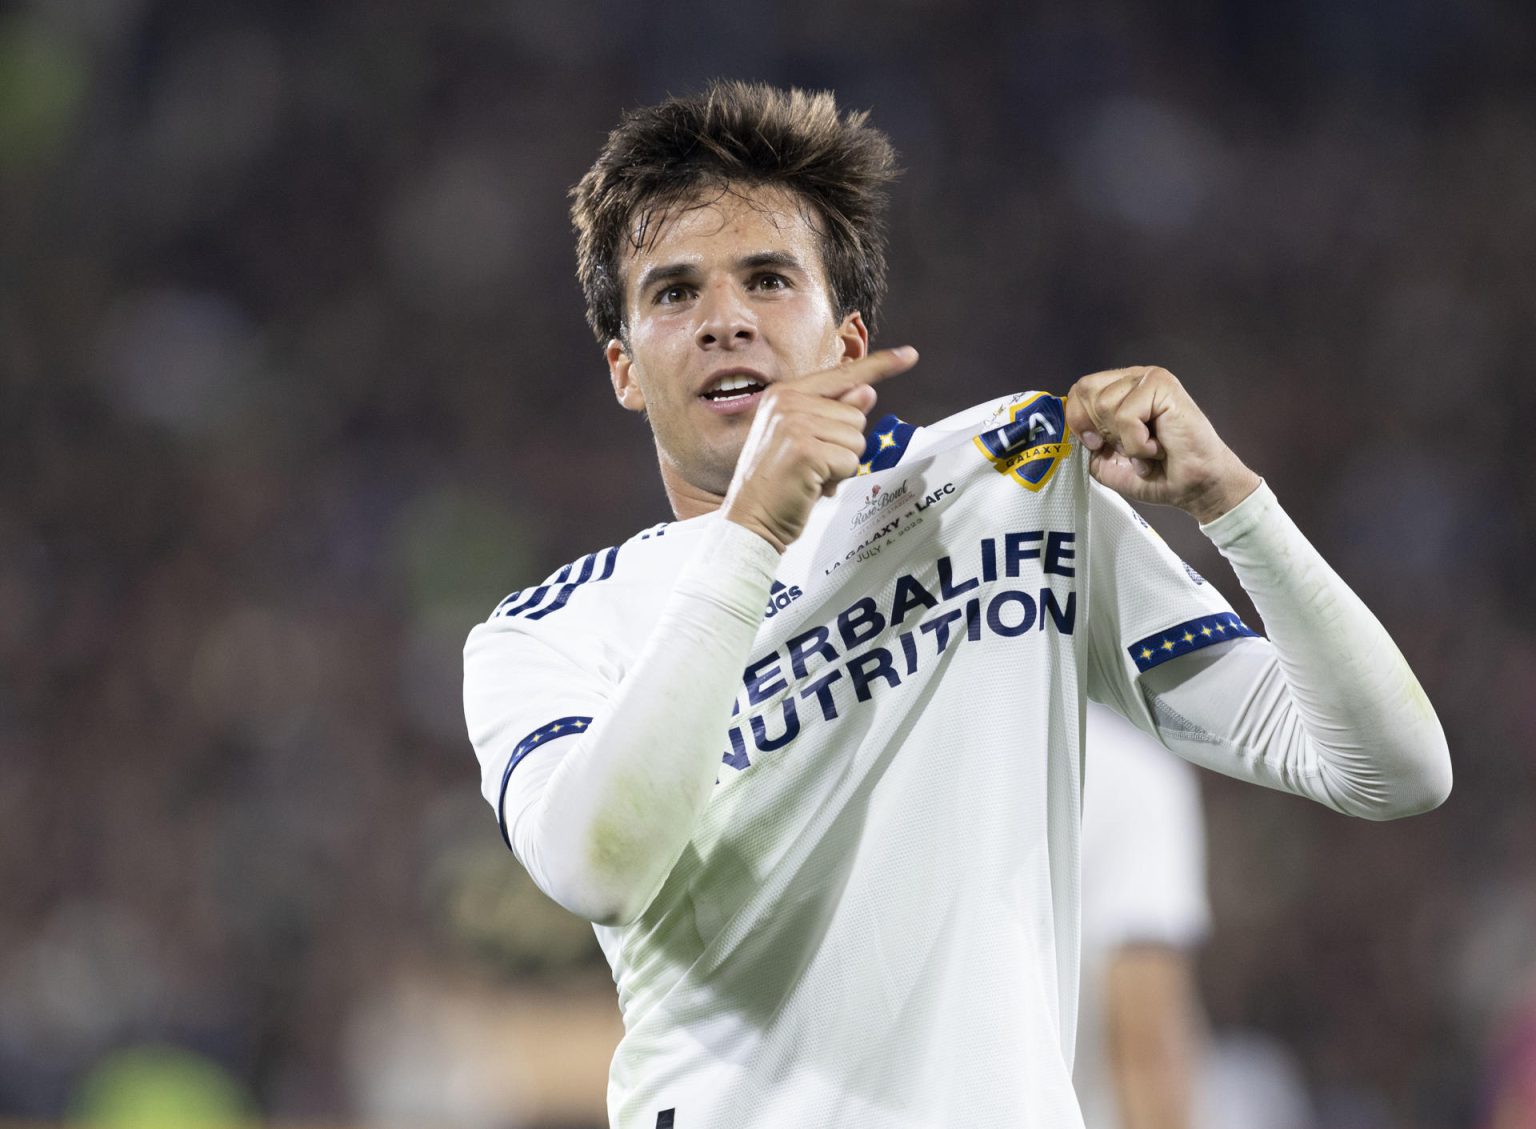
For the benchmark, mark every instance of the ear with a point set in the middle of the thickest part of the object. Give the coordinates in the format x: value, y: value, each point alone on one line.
x: 853, y: 337
x: 621, y: 372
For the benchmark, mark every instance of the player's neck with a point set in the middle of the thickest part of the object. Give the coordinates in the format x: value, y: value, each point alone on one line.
x: 687, y: 499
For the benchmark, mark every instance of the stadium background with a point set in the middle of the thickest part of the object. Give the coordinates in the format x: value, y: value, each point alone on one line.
x: 296, y: 386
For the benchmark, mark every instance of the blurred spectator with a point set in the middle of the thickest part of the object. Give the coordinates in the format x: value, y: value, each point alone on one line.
x: 1512, y: 1098
x: 160, y: 1088
x: 501, y: 1021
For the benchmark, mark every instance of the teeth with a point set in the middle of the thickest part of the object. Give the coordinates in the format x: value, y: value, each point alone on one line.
x: 736, y: 382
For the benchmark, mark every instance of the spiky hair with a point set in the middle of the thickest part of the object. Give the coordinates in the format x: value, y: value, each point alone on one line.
x: 736, y: 134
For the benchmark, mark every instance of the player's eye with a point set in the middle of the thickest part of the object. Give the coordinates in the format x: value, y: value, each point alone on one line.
x: 770, y: 281
x: 671, y: 295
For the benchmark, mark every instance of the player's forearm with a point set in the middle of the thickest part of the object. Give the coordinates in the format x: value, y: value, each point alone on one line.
x: 615, y: 814
x: 1379, y: 749
x: 1153, y: 1035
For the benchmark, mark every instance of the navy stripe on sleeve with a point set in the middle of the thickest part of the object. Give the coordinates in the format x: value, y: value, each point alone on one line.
x: 553, y: 731
x: 588, y: 566
x: 562, y: 584
x: 1186, y: 637
x: 565, y: 592
x: 608, y: 563
x: 536, y: 596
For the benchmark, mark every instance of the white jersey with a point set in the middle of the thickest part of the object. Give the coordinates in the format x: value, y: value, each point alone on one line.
x: 875, y: 924
x: 1143, y: 879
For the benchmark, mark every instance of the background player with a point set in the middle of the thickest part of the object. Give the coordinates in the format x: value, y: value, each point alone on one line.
x: 1140, y: 1032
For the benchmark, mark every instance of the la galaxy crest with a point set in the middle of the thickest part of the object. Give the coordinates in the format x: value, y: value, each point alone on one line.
x: 1030, y: 446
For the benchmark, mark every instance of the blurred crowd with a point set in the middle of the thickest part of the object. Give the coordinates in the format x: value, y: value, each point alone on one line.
x: 294, y: 386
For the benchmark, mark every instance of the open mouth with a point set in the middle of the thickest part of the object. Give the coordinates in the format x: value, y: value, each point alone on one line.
x: 734, y: 389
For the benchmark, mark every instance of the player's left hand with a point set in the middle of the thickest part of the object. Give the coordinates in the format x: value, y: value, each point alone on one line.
x: 1151, y: 443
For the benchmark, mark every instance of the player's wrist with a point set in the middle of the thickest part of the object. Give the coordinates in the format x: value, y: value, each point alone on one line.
x: 778, y: 539
x: 1223, y: 493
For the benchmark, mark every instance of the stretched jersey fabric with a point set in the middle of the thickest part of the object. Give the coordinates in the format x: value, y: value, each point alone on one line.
x: 875, y: 923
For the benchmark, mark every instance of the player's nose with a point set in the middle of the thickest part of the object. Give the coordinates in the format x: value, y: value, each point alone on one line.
x: 725, y: 318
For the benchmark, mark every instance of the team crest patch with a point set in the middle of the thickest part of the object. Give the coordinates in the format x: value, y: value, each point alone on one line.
x: 1030, y: 446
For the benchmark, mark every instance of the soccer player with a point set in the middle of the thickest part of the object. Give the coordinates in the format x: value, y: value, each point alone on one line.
x: 1144, y: 909
x: 809, y: 756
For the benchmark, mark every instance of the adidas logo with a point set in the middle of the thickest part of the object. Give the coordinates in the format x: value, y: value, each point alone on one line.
x: 780, y: 597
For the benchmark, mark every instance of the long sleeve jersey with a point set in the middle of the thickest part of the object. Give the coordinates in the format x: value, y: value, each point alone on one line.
x: 824, y: 806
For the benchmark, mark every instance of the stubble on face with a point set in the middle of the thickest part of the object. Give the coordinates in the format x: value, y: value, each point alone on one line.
x: 699, y: 299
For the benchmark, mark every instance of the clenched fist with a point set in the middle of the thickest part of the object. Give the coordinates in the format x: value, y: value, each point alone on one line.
x: 807, y: 437
x: 1151, y: 443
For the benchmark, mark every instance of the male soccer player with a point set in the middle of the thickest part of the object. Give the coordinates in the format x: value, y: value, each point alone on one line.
x: 808, y: 757
x: 1144, y: 909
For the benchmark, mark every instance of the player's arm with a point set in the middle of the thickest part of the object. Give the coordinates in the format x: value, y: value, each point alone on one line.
x: 1153, y: 1030
x: 1332, y: 709
x: 1144, y: 913
x: 595, y: 816
x: 602, y: 826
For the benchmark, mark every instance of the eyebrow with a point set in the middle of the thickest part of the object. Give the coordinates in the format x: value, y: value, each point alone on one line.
x: 673, y: 272
x: 782, y: 259
x: 668, y: 273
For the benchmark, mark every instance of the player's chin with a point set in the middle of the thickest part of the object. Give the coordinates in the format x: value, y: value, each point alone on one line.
x: 717, y: 467
x: 707, y: 463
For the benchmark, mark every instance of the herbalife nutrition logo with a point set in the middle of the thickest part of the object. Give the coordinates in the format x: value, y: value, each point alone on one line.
x: 780, y: 597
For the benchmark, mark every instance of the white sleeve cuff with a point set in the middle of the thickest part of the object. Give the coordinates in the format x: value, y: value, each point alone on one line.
x: 732, y: 569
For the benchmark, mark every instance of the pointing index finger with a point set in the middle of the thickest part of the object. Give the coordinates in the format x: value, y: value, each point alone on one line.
x: 870, y: 369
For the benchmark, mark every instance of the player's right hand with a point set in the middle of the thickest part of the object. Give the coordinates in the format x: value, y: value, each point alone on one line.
x: 807, y: 436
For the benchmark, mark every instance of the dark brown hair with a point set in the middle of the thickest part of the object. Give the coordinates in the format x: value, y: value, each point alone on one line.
x: 736, y: 134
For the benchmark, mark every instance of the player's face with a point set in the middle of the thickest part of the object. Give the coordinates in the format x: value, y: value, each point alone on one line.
x: 728, y: 298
